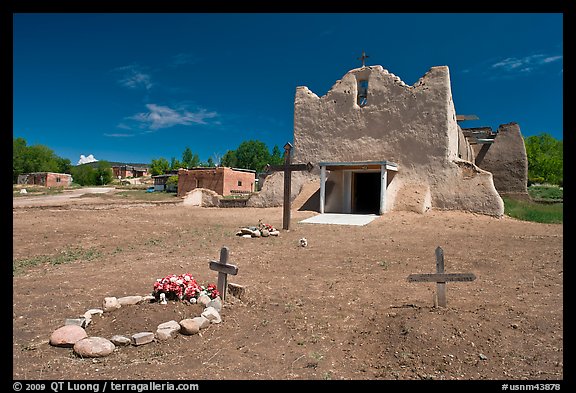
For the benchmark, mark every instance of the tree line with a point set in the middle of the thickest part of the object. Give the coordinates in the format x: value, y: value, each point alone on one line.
x: 250, y: 154
x: 544, y: 152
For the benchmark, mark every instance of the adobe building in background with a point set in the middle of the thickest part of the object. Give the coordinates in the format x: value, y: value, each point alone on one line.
x: 46, y: 179
x: 380, y: 145
x: 222, y: 180
x: 124, y: 171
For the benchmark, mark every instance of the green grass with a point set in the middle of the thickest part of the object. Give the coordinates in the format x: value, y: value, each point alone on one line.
x: 548, y: 213
x: 142, y: 195
x: 67, y: 255
x: 544, y: 192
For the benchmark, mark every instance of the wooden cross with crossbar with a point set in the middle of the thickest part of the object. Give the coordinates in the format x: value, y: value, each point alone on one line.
x: 223, y: 268
x: 363, y: 58
x: 288, y: 168
x: 440, y: 278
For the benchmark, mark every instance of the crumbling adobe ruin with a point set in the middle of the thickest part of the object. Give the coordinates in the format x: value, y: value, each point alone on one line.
x: 381, y: 145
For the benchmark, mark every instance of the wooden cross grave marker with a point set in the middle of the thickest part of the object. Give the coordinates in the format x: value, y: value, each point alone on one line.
x: 440, y: 278
x: 288, y: 168
x: 223, y: 269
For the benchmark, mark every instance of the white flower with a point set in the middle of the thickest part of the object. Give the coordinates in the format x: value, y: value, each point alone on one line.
x: 186, y: 278
x: 179, y: 282
x: 173, y: 279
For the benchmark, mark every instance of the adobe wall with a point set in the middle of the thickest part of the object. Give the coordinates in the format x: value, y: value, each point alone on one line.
x: 46, y: 179
x: 507, y: 160
x: 412, y: 126
x: 222, y: 180
x: 212, y: 179
x: 232, y: 179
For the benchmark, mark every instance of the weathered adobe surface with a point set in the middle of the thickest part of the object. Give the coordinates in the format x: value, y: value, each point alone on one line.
x: 412, y: 126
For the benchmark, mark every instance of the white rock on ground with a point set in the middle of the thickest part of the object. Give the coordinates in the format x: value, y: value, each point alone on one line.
x: 204, y: 300
x: 129, y: 300
x: 216, y: 303
x: 120, y: 340
x: 167, y: 330
x: 82, y: 321
x: 211, y: 314
x: 110, y: 304
x: 142, y: 338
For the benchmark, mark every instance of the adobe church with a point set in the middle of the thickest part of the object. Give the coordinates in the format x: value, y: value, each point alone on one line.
x: 379, y: 145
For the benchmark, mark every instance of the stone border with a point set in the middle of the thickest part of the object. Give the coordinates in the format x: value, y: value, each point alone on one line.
x: 73, y: 333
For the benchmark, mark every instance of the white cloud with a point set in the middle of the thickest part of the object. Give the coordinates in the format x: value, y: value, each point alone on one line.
x: 164, y: 117
x: 84, y: 160
x: 134, y: 77
x: 118, y: 135
x: 525, y: 64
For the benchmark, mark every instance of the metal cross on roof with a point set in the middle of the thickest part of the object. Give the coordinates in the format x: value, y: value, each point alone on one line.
x: 363, y: 58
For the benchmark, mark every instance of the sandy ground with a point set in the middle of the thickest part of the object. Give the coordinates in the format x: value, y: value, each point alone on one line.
x: 340, y: 308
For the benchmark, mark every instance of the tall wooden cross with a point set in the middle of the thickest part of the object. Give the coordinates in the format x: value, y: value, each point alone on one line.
x: 223, y: 269
x: 363, y: 58
x: 288, y: 168
x: 440, y: 278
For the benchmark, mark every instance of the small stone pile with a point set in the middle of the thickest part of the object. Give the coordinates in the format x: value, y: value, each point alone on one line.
x: 73, y: 333
x: 262, y: 230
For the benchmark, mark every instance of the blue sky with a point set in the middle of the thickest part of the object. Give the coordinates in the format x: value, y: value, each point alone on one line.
x: 137, y: 87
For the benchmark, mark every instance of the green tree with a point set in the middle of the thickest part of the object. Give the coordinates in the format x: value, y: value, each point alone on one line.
x: 102, y: 173
x: 84, y: 175
x: 277, y: 157
x: 187, y: 157
x: 35, y: 158
x: 175, y: 164
x: 545, y: 158
x: 253, y: 155
x: 64, y: 165
x: 159, y: 166
x: 229, y: 159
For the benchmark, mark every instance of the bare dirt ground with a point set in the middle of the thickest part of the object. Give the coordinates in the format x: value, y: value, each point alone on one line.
x: 340, y: 308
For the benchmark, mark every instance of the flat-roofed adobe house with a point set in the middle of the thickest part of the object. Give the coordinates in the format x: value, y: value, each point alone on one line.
x: 46, y: 179
x: 222, y: 180
x: 379, y: 145
x: 124, y: 171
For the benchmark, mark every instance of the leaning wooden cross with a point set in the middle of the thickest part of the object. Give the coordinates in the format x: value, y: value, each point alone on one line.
x: 223, y: 269
x: 440, y: 278
x: 288, y: 168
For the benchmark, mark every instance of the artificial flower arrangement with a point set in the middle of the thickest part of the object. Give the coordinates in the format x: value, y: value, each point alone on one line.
x: 183, y: 287
x: 268, y: 227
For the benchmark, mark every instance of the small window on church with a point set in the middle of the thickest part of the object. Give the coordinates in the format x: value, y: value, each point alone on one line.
x: 362, y: 93
x: 239, y: 183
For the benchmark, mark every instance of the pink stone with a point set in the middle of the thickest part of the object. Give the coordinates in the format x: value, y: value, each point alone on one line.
x: 67, y: 336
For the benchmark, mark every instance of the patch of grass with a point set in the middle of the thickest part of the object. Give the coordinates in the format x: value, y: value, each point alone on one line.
x: 315, y: 358
x: 384, y: 264
x: 67, y: 255
x: 142, y: 195
x: 153, y: 242
x: 546, y: 192
x: 533, y: 211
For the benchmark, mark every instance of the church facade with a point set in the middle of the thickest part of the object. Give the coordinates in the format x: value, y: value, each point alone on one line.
x: 379, y: 145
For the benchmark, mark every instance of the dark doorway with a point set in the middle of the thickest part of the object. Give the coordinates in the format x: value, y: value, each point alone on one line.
x: 366, y: 193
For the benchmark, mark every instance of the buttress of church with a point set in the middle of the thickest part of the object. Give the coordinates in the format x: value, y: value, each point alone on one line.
x: 379, y: 145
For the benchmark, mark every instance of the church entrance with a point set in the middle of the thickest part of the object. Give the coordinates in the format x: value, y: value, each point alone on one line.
x: 366, y: 192
x: 357, y: 187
